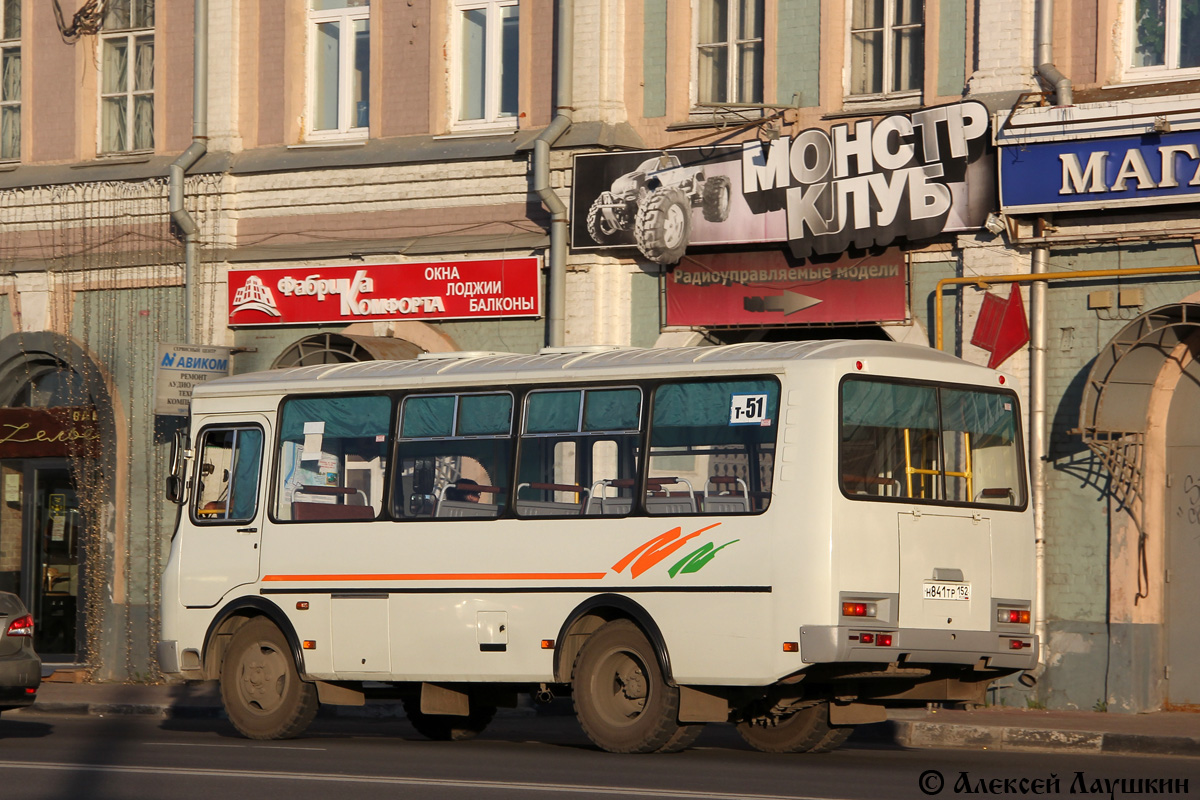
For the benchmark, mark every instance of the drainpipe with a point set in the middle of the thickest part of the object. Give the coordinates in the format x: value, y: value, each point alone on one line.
x: 1038, y: 452
x: 1044, y: 36
x: 1037, y: 441
x: 198, y: 147
x: 556, y: 292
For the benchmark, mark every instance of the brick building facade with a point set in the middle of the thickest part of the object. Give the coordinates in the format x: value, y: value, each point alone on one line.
x: 345, y: 132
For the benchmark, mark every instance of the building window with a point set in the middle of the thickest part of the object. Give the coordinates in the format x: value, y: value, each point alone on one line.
x: 887, y: 48
x: 488, y: 42
x: 729, y: 52
x: 127, y: 77
x: 1166, y: 34
x: 340, y: 90
x: 10, y: 79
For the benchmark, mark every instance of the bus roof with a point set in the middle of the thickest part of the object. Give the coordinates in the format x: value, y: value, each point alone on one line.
x: 450, y: 369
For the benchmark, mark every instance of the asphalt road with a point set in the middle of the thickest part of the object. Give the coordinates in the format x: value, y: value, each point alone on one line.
x: 79, y: 758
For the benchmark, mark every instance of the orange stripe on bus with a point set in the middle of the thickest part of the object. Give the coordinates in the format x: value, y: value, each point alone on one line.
x: 449, y: 576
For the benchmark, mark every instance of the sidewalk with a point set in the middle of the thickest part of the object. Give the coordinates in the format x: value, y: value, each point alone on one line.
x: 1162, y: 733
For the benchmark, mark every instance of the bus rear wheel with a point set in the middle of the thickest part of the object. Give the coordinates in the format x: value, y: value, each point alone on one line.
x: 260, y: 686
x: 805, y: 731
x: 621, y: 700
x: 448, y: 727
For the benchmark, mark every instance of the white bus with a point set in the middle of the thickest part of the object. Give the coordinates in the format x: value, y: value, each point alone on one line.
x: 790, y: 537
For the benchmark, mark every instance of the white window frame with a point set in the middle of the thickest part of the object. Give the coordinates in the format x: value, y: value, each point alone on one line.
x: 1173, y: 30
x: 7, y: 45
x: 889, y: 45
x: 492, y: 119
x: 346, y: 53
x: 731, y: 45
x: 129, y: 93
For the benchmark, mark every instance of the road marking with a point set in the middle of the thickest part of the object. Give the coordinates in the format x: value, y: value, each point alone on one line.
x: 387, y: 780
x: 236, y: 746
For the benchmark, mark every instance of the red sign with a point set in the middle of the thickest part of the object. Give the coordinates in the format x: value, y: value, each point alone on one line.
x: 765, y: 289
x: 439, y: 290
x: 1001, y: 329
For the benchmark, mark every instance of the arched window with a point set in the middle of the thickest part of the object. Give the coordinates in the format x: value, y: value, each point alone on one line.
x: 47, y: 384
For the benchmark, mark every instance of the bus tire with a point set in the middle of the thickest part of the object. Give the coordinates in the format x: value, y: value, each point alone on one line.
x: 621, y: 700
x: 684, y: 738
x: 448, y: 727
x: 806, y: 731
x: 260, y: 686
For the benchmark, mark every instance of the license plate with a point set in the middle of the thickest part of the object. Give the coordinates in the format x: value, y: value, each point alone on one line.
x: 947, y: 591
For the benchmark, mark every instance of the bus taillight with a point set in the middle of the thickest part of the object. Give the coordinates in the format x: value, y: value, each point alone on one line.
x: 858, y: 609
x: 883, y: 640
x: 1013, y: 615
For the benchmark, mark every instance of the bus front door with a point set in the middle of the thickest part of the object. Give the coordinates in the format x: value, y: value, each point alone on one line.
x: 222, y: 530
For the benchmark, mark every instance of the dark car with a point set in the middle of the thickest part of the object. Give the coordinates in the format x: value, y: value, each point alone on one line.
x: 20, y: 667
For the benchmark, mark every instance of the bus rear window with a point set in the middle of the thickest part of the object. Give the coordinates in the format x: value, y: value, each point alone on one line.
x: 332, y: 457
x: 931, y: 443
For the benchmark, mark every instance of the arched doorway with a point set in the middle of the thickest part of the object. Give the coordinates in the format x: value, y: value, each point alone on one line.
x: 1138, y: 415
x: 56, y: 456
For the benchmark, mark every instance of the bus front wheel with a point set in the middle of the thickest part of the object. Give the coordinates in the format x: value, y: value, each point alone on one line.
x: 622, y: 702
x: 805, y: 731
x: 260, y: 686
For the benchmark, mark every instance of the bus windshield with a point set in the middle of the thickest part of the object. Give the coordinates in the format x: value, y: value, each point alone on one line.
x: 934, y: 443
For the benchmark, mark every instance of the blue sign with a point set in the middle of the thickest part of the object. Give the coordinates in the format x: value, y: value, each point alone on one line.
x: 1082, y: 174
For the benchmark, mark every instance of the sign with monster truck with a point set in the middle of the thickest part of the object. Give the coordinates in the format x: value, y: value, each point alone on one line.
x: 861, y: 184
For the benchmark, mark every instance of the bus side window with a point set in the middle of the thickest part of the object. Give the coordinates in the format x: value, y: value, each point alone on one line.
x: 453, y: 456
x: 579, y: 452
x: 332, y: 458
x: 230, y: 459
x: 712, y: 447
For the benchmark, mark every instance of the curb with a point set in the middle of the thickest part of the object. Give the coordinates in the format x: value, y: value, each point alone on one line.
x: 923, y: 735
x: 912, y: 734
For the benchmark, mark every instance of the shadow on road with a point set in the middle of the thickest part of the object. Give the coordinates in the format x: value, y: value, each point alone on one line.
x: 23, y: 729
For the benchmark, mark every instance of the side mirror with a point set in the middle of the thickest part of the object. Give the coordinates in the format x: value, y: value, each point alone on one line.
x: 175, y: 486
x: 176, y: 489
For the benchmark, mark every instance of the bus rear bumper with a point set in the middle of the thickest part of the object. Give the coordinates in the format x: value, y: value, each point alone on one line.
x: 824, y: 644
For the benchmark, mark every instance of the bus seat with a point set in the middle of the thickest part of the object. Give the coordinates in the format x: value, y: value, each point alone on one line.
x: 671, y: 504
x: 465, y: 509
x: 730, y: 495
x: 661, y: 501
x: 600, y: 506
x: 998, y: 493
x: 549, y: 508
x: 725, y: 504
x: 312, y: 512
x: 608, y: 506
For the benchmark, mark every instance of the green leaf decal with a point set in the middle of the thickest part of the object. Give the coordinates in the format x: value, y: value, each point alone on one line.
x: 698, y: 558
